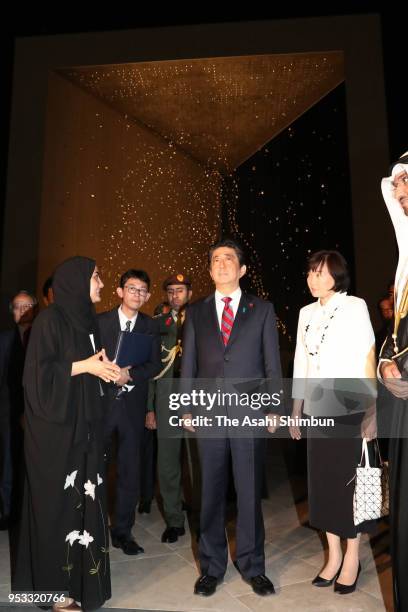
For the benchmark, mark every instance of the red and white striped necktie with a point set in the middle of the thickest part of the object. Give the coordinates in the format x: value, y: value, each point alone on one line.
x: 227, y: 320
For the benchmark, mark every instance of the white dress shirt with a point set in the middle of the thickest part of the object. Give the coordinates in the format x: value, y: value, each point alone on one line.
x: 234, y: 303
x: 123, y: 319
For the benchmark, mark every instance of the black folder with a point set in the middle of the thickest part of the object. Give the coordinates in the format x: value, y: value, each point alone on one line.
x: 132, y: 349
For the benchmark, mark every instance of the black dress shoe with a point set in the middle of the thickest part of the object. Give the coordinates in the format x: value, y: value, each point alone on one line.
x: 171, y: 534
x: 206, y: 585
x: 127, y: 544
x: 261, y: 585
x: 324, y: 582
x: 344, y: 589
x: 144, y: 507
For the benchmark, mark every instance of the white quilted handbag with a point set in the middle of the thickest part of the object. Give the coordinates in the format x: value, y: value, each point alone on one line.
x: 371, y: 493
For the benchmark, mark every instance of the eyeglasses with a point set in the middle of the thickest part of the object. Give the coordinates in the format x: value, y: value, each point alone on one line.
x: 136, y: 291
x: 22, y: 307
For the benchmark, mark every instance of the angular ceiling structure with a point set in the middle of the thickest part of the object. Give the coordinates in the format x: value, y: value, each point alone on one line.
x: 220, y: 111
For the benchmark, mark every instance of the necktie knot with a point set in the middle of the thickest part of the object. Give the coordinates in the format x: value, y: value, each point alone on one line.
x: 128, y: 324
x: 226, y: 300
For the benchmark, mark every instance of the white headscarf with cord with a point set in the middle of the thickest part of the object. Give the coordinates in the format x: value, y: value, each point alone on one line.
x: 400, y: 222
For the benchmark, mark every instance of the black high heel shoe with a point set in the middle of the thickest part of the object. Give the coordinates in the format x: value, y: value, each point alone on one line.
x: 324, y: 582
x: 344, y: 589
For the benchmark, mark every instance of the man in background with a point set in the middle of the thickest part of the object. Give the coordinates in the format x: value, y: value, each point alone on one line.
x: 178, y: 290
x: 13, y: 345
x: 47, y: 292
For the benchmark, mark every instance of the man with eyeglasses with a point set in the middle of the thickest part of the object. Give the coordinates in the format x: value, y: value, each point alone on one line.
x: 128, y: 400
x: 13, y: 345
x: 169, y: 443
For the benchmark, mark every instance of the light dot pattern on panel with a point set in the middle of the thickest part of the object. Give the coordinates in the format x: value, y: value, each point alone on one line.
x: 181, y: 221
x: 219, y: 110
x: 292, y: 199
x: 254, y: 259
x: 215, y: 112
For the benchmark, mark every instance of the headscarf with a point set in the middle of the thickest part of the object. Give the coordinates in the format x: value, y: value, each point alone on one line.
x: 71, y: 286
x: 400, y: 222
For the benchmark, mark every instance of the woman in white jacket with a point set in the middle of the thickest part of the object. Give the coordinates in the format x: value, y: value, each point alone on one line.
x: 334, y: 377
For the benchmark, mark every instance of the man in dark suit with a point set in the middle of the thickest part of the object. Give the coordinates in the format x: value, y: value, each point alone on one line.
x: 6, y: 340
x: 13, y: 345
x: 128, y: 400
x: 230, y: 335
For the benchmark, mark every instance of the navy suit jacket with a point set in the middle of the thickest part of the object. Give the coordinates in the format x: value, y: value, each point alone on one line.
x: 252, y: 352
x: 109, y: 326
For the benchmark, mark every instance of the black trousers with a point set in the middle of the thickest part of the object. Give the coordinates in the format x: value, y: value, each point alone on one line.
x: 127, y: 423
x: 247, y: 460
x: 149, y: 462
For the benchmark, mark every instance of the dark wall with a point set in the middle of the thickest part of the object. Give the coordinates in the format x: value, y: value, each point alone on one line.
x: 294, y: 199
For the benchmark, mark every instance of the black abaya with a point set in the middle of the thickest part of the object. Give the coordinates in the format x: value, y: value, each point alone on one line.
x: 62, y: 544
x: 398, y: 456
x: 397, y: 412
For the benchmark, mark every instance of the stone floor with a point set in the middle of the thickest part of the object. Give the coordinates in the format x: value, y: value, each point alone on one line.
x: 163, y: 578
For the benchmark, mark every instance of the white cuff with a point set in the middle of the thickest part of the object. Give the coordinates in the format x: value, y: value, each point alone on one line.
x: 379, y: 366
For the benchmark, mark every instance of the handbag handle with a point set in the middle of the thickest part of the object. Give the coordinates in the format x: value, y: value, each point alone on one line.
x: 364, y: 453
x: 378, y: 451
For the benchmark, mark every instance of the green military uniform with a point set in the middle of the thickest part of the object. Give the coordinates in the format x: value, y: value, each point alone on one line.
x: 169, y: 439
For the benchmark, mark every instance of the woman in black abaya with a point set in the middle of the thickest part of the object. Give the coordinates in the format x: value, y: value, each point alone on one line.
x: 62, y: 545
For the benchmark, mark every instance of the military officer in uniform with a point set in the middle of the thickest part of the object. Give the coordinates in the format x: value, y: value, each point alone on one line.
x: 169, y: 440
